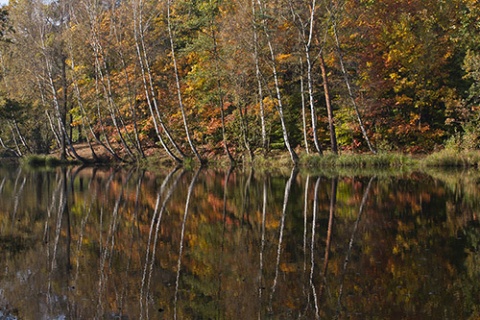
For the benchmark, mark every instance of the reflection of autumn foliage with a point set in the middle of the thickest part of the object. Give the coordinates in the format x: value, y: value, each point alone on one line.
x: 116, y: 250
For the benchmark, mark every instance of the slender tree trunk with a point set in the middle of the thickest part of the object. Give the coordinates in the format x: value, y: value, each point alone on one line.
x: 9, y: 149
x: 286, y: 198
x: 60, y: 110
x: 307, y: 44
x: 182, y: 237
x: 2, y: 143
x: 328, y: 241
x: 259, y: 79
x: 313, y: 112
x: 54, y: 131
x: 19, y: 152
x: 293, y: 154
x: 312, y: 246
x: 350, y: 247
x: 220, y: 93
x: 86, y: 122
x: 304, y: 113
x: 331, y: 122
x: 147, y: 80
x: 153, y: 112
x: 349, y: 87
x: 102, y: 76
x: 21, y: 137
x: 64, y: 94
x: 64, y: 138
x: 244, y: 122
x: 144, y: 68
x: 131, y: 93
x: 179, y: 90
x: 49, y: 118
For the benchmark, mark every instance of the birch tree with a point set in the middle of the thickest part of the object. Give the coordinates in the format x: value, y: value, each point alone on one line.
x: 139, y: 29
x: 265, y: 25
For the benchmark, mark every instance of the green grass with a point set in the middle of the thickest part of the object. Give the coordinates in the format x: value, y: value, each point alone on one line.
x: 39, y: 161
x: 34, y: 161
x: 452, y: 158
x: 359, y: 161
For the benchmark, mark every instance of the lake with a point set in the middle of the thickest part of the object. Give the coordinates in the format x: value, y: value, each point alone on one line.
x: 98, y: 243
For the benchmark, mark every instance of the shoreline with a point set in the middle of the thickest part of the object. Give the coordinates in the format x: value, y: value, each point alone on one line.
x: 275, y: 161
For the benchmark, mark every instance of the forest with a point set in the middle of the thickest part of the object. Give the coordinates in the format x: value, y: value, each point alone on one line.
x: 199, y: 79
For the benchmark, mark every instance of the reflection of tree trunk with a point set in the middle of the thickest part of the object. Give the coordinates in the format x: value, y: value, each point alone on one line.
x: 180, y: 251
x: 66, y: 214
x: 333, y: 205
x: 286, y: 196
x: 305, y: 222
x: 18, y: 193
x: 83, y: 227
x: 350, y: 245
x: 109, y: 245
x: 60, y: 207
x: 246, y: 196
x: 155, y: 222
x: 261, y: 284
x: 312, y: 246
x: 221, y: 266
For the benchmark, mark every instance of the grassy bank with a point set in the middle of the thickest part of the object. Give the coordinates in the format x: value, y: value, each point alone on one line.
x: 441, y: 159
x: 280, y: 161
x: 39, y: 161
x: 360, y: 161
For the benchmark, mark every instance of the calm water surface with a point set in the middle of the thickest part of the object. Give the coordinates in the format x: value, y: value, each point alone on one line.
x: 112, y: 244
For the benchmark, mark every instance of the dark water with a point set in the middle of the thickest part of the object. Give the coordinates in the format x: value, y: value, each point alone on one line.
x: 107, y: 244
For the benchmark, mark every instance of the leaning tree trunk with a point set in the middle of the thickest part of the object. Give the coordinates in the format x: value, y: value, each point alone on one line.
x: 131, y: 92
x: 331, y: 122
x: 349, y: 87
x: 293, y: 154
x: 21, y: 137
x: 102, y: 76
x: 147, y: 80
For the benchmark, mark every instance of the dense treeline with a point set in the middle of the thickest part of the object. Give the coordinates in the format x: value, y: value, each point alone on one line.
x: 198, y: 78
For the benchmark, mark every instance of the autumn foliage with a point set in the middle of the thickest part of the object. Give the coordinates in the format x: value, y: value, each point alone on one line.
x: 237, y: 78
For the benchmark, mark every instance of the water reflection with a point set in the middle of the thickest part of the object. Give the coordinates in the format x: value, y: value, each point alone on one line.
x: 86, y: 243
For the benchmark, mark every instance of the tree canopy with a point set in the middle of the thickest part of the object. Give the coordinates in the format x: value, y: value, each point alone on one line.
x: 210, y: 77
